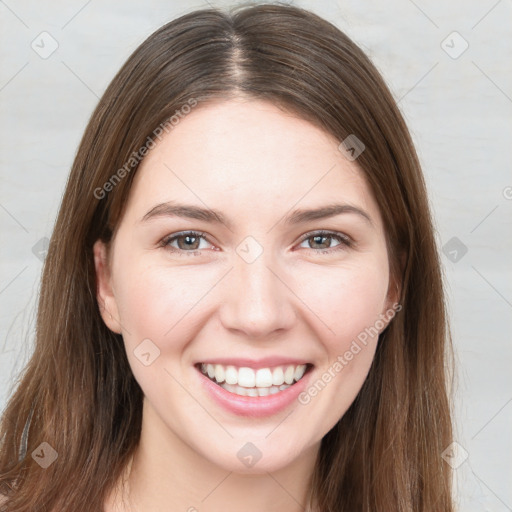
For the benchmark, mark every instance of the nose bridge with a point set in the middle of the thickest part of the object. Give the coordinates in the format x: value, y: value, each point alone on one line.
x: 256, y: 301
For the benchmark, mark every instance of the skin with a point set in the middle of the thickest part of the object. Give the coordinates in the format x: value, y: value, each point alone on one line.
x: 254, y: 163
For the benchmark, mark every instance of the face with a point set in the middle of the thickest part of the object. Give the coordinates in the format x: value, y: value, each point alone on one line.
x: 253, y: 251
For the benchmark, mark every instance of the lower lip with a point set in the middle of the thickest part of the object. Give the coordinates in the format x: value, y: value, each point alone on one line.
x: 254, y: 406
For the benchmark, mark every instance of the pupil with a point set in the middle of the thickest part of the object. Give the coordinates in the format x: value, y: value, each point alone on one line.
x: 320, y: 237
x: 189, y: 241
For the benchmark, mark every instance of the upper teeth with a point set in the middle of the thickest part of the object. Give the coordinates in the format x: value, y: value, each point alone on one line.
x: 249, y: 378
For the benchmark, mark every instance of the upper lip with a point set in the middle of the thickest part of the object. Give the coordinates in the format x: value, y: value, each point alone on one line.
x: 265, y: 362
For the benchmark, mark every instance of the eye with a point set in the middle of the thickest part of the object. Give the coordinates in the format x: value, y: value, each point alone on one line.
x: 189, y: 242
x: 185, y: 242
x: 321, y: 241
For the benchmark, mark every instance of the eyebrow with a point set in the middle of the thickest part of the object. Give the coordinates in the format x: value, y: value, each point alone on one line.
x: 331, y: 210
x: 174, y: 209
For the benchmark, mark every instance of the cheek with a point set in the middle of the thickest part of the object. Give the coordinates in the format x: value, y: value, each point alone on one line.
x: 162, y: 303
x: 158, y: 304
x: 347, y: 299
x: 350, y: 301
x: 152, y: 302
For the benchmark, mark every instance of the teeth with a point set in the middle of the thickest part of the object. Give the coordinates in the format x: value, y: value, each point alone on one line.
x: 299, y: 371
x: 220, y: 374
x: 241, y: 391
x: 263, y: 378
x: 246, y: 377
x: 231, y: 375
x: 261, y: 382
x: 228, y: 387
x: 278, y: 376
x: 289, y: 374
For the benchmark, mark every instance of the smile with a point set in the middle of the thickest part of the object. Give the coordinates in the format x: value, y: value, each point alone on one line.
x: 245, y: 381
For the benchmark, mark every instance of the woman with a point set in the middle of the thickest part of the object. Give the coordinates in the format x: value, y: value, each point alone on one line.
x: 242, y: 303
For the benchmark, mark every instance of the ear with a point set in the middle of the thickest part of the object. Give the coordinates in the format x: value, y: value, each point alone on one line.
x: 394, y: 294
x: 104, y: 292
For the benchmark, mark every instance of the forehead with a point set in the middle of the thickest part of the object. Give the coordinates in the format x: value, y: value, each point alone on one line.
x: 250, y: 155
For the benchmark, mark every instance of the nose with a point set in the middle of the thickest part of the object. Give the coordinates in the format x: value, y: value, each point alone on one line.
x: 257, y: 300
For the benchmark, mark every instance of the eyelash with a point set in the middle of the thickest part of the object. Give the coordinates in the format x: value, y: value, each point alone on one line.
x: 345, y: 241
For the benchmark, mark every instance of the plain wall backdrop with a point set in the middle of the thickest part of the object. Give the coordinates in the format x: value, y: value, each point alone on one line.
x: 446, y: 64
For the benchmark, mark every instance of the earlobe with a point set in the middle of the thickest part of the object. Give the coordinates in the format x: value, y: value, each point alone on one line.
x: 394, y: 295
x: 393, y: 298
x: 393, y: 305
x: 386, y: 317
x: 104, y: 293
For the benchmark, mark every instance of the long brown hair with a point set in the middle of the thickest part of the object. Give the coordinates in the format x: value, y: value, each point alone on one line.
x: 78, y: 393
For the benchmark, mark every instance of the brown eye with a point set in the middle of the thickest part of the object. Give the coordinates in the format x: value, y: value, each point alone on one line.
x: 188, y: 241
x: 320, y: 242
x: 324, y: 241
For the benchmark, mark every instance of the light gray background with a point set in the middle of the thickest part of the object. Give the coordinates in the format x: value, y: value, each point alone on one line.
x: 459, y: 112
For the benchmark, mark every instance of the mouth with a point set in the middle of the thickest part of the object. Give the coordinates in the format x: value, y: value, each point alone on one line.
x: 254, y: 382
